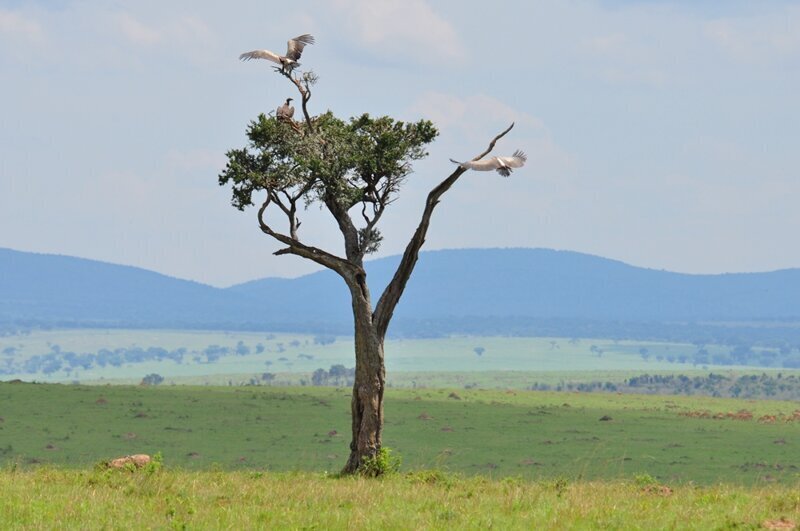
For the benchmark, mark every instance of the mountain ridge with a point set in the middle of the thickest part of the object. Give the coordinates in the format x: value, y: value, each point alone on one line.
x: 512, y: 284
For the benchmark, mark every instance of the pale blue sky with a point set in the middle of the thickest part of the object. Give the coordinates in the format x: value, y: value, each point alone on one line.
x: 662, y: 133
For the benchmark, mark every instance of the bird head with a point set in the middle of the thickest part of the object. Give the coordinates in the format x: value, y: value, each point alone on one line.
x: 288, y: 100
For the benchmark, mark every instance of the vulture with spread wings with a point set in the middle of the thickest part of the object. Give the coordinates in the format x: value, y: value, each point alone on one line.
x: 294, y: 50
x: 503, y: 165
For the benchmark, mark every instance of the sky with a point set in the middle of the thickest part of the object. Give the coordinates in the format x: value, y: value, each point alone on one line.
x: 663, y: 133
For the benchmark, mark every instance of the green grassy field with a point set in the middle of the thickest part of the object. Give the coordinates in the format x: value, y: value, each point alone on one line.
x: 532, y: 435
x: 299, y: 354
x: 73, y: 499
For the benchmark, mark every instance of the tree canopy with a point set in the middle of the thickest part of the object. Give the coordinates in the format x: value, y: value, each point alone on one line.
x: 341, y: 164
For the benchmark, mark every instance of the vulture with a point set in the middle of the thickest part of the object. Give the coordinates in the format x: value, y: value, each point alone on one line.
x: 288, y: 62
x: 285, y: 111
x: 503, y: 165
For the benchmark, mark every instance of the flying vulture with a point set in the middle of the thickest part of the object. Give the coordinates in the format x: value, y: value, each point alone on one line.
x: 288, y: 62
x: 503, y: 165
x: 285, y: 111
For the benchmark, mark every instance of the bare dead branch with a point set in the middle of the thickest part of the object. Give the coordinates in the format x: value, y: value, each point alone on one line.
x: 391, y: 295
x: 305, y: 94
x: 494, y: 141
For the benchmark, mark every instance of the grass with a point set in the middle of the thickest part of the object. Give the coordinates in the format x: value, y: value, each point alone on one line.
x: 79, y: 499
x: 532, y: 435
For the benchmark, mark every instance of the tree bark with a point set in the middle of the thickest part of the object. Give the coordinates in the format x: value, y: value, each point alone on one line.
x: 370, y: 380
x: 370, y: 328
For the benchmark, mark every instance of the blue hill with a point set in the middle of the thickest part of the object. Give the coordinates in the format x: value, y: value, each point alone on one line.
x: 543, y: 283
x: 473, y: 285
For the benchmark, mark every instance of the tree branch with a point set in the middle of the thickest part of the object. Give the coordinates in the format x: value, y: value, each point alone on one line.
x: 391, y: 295
x: 352, y: 248
x: 305, y: 94
x: 296, y: 247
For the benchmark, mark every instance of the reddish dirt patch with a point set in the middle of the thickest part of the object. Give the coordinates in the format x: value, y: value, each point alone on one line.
x: 659, y: 490
x: 454, y: 396
x: 193, y: 455
x: 424, y: 416
x: 137, y: 460
x: 101, y: 401
x: 333, y: 433
x: 781, y: 523
x: 129, y: 436
x: 743, y: 414
x: 447, y: 428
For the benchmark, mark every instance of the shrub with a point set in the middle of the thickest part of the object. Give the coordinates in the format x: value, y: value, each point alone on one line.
x: 381, y: 464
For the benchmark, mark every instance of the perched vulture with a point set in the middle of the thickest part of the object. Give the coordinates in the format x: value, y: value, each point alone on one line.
x: 285, y: 111
x: 288, y: 62
x: 503, y: 165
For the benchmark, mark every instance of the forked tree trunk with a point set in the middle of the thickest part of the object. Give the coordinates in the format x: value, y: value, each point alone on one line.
x: 367, y: 400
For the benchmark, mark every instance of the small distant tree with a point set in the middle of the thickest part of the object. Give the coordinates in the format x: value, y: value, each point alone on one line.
x: 320, y: 377
x: 152, y: 379
x: 242, y: 349
x: 354, y: 169
x: 324, y: 339
x: 479, y: 351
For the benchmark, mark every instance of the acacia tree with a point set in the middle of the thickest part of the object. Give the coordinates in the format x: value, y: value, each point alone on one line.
x: 355, y: 170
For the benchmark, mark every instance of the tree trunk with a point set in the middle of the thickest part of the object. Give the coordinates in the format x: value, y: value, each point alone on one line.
x: 367, y: 401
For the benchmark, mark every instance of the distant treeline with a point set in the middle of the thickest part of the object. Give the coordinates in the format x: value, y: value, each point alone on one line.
x: 57, y: 359
x: 751, y: 386
x: 779, y: 386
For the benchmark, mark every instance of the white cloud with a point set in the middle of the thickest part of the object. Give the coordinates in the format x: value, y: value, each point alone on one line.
x: 195, y: 159
x: 135, y: 31
x: 402, y: 28
x: 763, y: 39
x: 20, y: 30
x: 605, y: 44
x: 448, y: 110
x: 186, y: 31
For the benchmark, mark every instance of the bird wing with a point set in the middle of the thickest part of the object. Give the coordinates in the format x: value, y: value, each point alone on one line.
x: 294, y: 48
x: 515, y: 161
x: 261, y: 54
x: 481, y: 165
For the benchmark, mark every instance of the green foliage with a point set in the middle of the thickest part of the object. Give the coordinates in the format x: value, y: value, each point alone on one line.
x: 155, y: 465
x: 643, y: 480
x: 337, y: 159
x: 381, y: 464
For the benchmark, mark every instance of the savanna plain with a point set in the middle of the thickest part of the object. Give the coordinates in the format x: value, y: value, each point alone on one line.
x: 238, y: 451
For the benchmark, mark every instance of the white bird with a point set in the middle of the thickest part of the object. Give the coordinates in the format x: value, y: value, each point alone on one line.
x: 503, y: 165
x: 285, y: 111
x: 294, y: 49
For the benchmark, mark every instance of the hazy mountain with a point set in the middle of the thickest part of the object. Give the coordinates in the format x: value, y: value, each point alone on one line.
x: 544, y: 283
x: 53, y: 288
x: 477, y: 286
